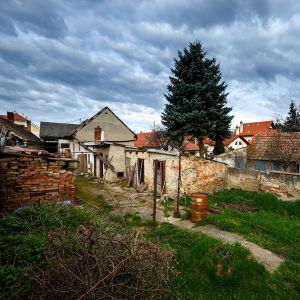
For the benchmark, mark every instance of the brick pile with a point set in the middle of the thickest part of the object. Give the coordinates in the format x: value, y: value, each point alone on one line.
x: 26, y: 180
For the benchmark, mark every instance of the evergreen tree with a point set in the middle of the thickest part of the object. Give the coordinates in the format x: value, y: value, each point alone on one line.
x: 219, y: 147
x: 196, y: 98
x: 292, y: 122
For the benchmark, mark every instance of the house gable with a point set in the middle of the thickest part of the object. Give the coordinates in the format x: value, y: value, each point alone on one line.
x: 114, y: 129
x: 238, y: 142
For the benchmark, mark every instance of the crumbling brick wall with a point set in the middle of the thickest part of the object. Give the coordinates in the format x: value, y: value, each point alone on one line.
x: 197, y: 175
x: 26, y: 180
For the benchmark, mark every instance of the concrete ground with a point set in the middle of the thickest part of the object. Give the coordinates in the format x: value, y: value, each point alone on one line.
x: 127, y: 200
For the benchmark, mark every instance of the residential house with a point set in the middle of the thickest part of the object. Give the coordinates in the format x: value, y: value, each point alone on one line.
x: 98, y: 143
x: 275, y: 152
x: 243, y: 134
x: 12, y: 134
x: 18, y: 119
x: 238, y: 142
x: 147, y: 140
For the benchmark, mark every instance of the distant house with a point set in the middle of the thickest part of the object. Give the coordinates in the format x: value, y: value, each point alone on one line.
x: 97, y: 143
x: 243, y: 134
x: 17, y: 119
x: 275, y: 152
x: 17, y: 135
x: 238, y: 142
x: 147, y: 140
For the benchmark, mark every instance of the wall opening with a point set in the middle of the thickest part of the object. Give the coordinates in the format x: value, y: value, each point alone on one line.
x: 140, y: 171
x: 161, y: 176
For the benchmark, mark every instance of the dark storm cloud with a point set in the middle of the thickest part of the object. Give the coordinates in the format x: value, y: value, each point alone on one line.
x: 61, y: 59
x: 41, y: 17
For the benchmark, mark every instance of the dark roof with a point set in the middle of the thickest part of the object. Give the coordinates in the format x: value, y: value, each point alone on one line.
x: 56, y: 130
x: 19, y: 131
x: 273, y: 146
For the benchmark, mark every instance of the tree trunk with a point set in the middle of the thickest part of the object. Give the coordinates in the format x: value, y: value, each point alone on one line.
x: 177, y: 212
x: 201, y: 147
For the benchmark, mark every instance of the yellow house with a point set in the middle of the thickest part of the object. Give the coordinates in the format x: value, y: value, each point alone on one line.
x: 17, y: 119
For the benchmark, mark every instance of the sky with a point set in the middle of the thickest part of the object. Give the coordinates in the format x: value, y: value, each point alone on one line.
x: 62, y: 61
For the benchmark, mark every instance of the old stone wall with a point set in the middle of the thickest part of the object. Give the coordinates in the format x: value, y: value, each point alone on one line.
x: 26, y: 180
x: 284, y: 185
x: 197, y: 175
x: 200, y: 175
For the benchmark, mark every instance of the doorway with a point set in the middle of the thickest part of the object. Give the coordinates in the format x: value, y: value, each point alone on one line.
x: 140, y: 171
x: 160, y: 169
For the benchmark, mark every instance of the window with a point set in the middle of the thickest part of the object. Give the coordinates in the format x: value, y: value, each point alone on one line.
x: 240, y: 143
x: 236, y: 143
x: 64, y: 145
x: 276, y: 166
x: 261, y: 165
x: 297, y: 170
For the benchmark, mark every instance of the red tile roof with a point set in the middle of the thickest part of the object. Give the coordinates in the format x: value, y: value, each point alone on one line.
x: 262, y: 146
x: 254, y: 128
x: 16, y: 117
x: 190, y: 146
x: 145, y: 140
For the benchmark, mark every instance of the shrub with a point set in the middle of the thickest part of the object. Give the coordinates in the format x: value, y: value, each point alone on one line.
x: 100, y: 261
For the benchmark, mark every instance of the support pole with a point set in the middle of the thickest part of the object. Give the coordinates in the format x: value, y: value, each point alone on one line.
x: 177, y: 212
x: 155, y: 190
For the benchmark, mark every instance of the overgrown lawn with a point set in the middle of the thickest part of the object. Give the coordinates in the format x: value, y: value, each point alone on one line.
x: 273, y: 224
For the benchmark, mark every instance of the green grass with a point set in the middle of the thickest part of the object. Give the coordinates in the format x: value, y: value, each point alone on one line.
x: 239, y: 276
x: 23, y: 238
x: 275, y: 225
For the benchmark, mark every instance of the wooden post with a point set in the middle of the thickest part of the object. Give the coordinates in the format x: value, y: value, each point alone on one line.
x: 155, y: 190
x: 176, y: 212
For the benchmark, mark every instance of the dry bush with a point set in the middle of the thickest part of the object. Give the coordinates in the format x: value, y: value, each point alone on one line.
x: 102, y: 262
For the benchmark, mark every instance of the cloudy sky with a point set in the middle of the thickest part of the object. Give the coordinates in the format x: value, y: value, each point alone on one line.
x: 64, y: 60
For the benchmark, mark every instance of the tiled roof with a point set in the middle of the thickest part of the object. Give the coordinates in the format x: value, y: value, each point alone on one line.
x: 146, y: 140
x: 264, y: 146
x: 56, y: 130
x: 19, y: 131
x: 190, y: 146
x: 16, y: 117
x: 254, y: 128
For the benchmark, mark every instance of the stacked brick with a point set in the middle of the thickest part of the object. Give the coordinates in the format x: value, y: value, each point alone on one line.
x: 26, y: 180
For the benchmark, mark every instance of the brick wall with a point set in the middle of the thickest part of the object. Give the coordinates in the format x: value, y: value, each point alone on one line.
x: 26, y: 180
x: 284, y: 185
x: 197, y: 175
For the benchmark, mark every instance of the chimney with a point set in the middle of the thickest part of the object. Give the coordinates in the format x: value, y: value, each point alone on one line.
x: 28, y: 127
x: 11, y: 117
x: 241, y: 126
x: 237, y: 130
x: 97, y: 134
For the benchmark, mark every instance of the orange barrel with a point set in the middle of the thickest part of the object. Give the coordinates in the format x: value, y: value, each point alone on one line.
x: 199, y: 209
